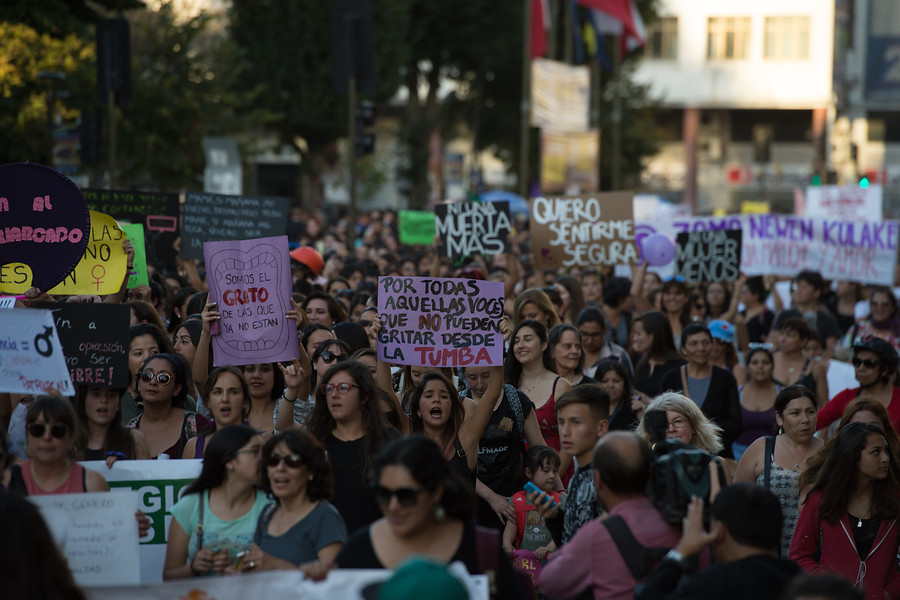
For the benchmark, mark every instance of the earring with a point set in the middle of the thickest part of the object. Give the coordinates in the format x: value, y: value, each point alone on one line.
x: 310, y: 477
x: 439, y: 513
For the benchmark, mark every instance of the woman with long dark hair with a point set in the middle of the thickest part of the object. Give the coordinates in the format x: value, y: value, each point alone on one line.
x: 146, y: 339
x: 228, y: 398
x: 652, y: 339
x: 101, y: 435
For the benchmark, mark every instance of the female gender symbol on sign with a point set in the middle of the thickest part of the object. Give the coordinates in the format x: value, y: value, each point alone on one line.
x: 98, y: 279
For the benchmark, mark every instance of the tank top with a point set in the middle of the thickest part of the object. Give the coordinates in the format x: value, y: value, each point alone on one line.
x: 74, y: 484
x: 783, y: 483
x: 459, y: 463
x: 546, y: 417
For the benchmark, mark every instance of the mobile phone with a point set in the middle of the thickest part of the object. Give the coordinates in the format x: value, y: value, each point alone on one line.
x: 530, y: 487
x: 214, y: 326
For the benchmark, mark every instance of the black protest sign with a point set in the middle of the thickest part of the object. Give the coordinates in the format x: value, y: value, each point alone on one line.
x: 217, y: 218
x: 468, y: 228
x: 157, y: 211
x: 707, y: 256
x: 95, y: 340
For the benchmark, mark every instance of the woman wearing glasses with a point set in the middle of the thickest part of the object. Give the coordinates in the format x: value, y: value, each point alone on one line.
x: 301, y: 528
x: 161, y: 388
x: 301, y: 388
x: 882, y: 322
x: 427, y: 511
x: 347, y: 419
x: 875, y: 364
x: 686, y: 423
x: 216, y: 517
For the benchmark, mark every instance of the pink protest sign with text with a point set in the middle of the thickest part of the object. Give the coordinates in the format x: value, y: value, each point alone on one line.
x: 250, y: 280
x: 440, y: 322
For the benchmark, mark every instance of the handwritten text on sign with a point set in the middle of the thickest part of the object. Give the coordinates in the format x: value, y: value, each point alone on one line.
x: 97, y: 533
x: 468, y: 228
x: 709, y: 255
x: 102, y: 267
x: 31, y: 357
x: 440, y: 322
x: 216, y: 217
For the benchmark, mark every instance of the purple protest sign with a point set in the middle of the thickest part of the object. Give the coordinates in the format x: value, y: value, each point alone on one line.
x: 251, y: 282
x: 46, y: 225
x: 439, y: 322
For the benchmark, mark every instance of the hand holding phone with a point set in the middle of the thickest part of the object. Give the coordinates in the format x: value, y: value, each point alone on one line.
x: 530, y: 487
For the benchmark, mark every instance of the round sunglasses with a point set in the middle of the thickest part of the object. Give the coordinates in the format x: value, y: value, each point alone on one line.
x: 291, y: 461
x: 57, y: 430
x: 162, y: 377
x: 329, y: 357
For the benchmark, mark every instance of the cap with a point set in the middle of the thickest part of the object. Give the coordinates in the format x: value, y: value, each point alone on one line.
x: 310, y: 258
x: 885, y: 351
x: 419, y: 574
x: 721, y: 330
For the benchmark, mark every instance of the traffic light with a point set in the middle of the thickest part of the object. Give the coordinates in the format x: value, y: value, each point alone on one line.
x: 365, y: 120
x: 816, y: 179
x: 864, y: 182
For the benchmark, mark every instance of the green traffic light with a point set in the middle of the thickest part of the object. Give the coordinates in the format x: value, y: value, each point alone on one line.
x: 864, y: 182
x: 816, y: 180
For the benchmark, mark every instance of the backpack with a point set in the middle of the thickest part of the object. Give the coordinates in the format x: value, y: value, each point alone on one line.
x: 520, y: 503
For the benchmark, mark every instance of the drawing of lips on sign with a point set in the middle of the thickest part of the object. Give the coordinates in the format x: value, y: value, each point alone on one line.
x: 45, y: 227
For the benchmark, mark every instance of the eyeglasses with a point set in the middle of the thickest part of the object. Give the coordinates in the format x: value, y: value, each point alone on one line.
x: 329, y: 357
x: 869, y: 363
x: 406, y: 497
x: 291, y: 461
x: 57, y: 430
x: 162, y: 377
x: 756, y: 345
x: 343, y: 388
x: 255, y: 451
x: 884, y: 303
x: 677, y: 423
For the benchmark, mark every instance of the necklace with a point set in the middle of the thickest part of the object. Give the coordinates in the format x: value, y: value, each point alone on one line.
x: 528, y: 389
x: 797, y: 465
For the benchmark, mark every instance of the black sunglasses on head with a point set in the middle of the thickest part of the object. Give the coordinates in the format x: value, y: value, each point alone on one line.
x: 57, y: 430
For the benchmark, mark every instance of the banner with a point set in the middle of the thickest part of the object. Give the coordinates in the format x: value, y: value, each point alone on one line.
x: 101, y: 269
x: 217, y: 217
x: 440, y: 322
x: 468, y: 228
x: 97, y: 534
x: 416, y: 228
x: 95, y: 340
x: 844, y: 202
x: 593, y: 230
x: 159, y: 484
x: 135, y: 233
x: 707, y: 256
x: 31, y: 357
x: 560, y: 95
x: 250, y: 280
x: 863, y: 251
x: 44, y: 227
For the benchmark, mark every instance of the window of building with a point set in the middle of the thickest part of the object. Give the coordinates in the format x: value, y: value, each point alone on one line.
x: 662, y: 39
x: 787, y: 38
x: 728, y: 38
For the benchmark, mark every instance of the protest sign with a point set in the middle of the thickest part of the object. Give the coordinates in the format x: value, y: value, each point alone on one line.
x: 416, y: 228
x: 468, y: 228
x: 7, y: 301
x: 589, y: 231
x: 217, y: 217
x: 707, y: 256
x: 439, y: 322
x: 844, y: 202
x: 251, y: 282
x: 159, y: 485
x: 45, y: 227
x: 31, y: 357
x: 94, y: 339
x: 157, y: 211
x: 102, y: 268
x: 135, y: 233
x: 97, y: 533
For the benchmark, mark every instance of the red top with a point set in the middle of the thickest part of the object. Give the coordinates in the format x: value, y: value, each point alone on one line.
x: 834, y: 410
x: 73, y: 485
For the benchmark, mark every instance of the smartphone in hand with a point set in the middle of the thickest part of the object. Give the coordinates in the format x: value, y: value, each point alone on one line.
x: 530, y: 487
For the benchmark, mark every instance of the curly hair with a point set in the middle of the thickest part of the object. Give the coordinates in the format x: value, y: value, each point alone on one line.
x: 312, y: 453
x: 707, y: 435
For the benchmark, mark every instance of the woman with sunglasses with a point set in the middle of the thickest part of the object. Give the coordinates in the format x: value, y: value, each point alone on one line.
x: 427, y: 511
x: 217, y: 515
x: 301, y: 528
x: 101, y: 435
x: 228, y: 398
x: 875, y: 364
x: 146, y: 340
x: 161, y: 390
x: 347, y: 419
x: 883, y: 321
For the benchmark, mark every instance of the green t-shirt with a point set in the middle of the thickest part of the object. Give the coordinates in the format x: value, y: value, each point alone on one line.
x: 232, y: 536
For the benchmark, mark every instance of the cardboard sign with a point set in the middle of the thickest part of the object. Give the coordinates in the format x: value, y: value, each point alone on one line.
x: 707, y: 256
x: 468, y: 228
x: 251, y: 282
x: 440, y: 322
x: 102, y: 268
x: 94, y: 339
x: 44, y: 227
x: 216, y: 217
x: 157, y: 211
x: 97, y: 533
x: 588, y: 231
x: 416, y: 228
x: 135, y: 233
x: 159, y: 485
x: 31, y: 357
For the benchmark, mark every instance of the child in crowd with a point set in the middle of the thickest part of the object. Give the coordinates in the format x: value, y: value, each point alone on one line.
x: 528, y: 531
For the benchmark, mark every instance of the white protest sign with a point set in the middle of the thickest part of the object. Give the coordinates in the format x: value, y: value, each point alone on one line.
x: 99, y: 533
x: 7, y: 301
x: 846, y: 202
x: 31, y: 357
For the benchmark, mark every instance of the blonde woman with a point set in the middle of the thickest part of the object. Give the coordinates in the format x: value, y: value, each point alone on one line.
x: 686, y: 423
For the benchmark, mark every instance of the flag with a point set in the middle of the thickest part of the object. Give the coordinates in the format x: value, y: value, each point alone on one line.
x: 594, y: 40
x: 577, y: 42
x: 540, y: 24
x: 619, y: 17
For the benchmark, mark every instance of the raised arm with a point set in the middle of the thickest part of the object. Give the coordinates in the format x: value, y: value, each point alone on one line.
x: 200, y: 368
x: 637, y: 289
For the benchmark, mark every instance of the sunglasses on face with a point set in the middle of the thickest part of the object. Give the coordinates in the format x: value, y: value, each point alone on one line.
x: 869, y: 363
x: 329, y: 357
x: 57, y: 430
x: 163, y: 378
x: 343, y: 388
x: 406, y: 497
x: 291, y: 461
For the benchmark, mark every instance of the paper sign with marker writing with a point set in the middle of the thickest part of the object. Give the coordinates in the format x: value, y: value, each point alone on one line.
x: 31, y: 357
x: 590, y: 230
x: 468, y: 228
x: 97, y: 533
x: 135, y: 233
x: 709, y: 255
x: 216, y: 217
x: 416, y: 227
x: 102, y: 267
x: 7, y: 301
x: 440, y: 322
x: 250, y: 280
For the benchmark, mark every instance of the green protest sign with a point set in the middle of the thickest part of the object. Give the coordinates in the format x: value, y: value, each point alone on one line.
x: 135, y: 233
x: 416, y: 227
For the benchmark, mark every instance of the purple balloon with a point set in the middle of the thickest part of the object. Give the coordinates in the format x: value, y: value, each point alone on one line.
x: 658, y: 250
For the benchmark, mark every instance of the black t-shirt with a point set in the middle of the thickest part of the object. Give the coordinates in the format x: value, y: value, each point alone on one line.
x: 500, y: 447
x: 758, y: 326
x: 651, y: 385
